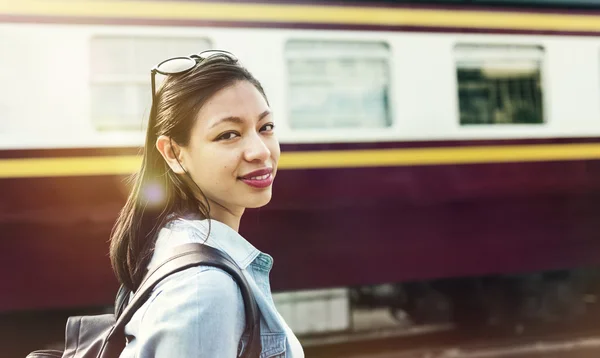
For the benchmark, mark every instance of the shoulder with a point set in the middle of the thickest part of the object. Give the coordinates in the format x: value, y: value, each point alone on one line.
x: 195, y: 312
x: 199, y: 287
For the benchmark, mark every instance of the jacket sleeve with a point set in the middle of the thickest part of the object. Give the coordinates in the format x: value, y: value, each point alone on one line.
x: 198, y: 312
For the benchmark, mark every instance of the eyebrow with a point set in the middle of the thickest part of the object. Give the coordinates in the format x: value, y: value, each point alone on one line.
x: 238, y: 120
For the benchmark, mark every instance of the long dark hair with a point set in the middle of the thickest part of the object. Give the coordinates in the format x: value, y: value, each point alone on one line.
x: 158, y: 194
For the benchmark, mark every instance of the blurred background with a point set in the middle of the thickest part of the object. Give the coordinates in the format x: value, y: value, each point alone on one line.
x: 439, y: 184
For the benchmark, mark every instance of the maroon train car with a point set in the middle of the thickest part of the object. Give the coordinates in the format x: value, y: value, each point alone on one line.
x: 419, y: 143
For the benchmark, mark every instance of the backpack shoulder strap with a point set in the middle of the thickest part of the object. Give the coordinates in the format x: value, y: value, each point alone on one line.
x: 121, y: 301
x: 186, y: 256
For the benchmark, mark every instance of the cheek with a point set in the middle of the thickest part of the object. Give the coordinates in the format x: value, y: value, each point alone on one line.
x: 226, y: 163
x: 201, y: 164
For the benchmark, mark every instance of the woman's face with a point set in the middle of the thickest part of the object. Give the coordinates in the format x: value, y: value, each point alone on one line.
x: 233, y: 152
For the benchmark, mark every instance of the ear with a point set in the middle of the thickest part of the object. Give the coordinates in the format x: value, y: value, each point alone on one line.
x: 171, y: 152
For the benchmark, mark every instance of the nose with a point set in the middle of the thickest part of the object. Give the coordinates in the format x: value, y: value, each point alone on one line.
x: 256, y: 149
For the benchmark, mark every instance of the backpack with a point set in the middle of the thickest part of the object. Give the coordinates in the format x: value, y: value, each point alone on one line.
x: 102, y: 336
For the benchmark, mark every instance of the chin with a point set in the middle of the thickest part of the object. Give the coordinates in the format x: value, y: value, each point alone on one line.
x: 258, y: 200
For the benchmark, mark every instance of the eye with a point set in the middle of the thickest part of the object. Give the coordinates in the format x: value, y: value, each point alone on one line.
x: 269, y: 127
x: 227, y: 136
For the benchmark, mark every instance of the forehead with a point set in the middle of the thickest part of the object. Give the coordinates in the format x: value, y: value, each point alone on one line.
x: 242, y: 99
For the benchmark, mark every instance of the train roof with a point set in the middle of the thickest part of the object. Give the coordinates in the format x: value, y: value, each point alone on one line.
x: 511, y: 3
x: 558, y: 4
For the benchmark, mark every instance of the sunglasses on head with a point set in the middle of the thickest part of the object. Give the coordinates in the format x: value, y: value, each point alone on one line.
x: 181, y: 64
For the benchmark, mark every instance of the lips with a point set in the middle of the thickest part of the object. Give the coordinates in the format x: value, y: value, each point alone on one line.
x: 259, y: 179
x: 258, y: 173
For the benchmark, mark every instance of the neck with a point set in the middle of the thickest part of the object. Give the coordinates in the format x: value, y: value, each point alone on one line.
x: 231, y: 219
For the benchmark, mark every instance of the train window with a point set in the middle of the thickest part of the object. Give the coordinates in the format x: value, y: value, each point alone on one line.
x: 499, y: 84
x: 120, y: 76
x: 338, y: 84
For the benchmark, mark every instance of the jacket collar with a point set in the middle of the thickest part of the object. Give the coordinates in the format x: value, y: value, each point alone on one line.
x: 183, y: 231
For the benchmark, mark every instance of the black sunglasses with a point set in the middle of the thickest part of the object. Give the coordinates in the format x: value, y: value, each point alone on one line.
x: 181, y: 64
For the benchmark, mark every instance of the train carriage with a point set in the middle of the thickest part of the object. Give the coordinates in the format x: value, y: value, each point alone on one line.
x: 420, y: 142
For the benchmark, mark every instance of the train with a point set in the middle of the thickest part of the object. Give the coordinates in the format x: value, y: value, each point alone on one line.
x: 422, y: 142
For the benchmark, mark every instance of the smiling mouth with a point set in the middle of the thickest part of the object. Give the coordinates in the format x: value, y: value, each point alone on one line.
x: 258, y: 174
x: 260, y: 177
x: 259, y: 181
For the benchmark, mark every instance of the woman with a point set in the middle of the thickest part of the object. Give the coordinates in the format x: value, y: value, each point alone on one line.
x: 210, y: 153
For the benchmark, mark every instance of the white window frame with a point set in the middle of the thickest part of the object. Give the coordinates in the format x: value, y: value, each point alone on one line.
x: 333, y: 52
x: 477, y: 53
x: 131, y: 80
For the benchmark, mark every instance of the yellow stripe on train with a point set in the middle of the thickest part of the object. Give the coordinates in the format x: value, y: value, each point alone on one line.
x: 125, y: 165
x: 294, y: 13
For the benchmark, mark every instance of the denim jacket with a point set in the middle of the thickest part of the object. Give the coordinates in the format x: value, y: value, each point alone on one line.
x: 199, y: 312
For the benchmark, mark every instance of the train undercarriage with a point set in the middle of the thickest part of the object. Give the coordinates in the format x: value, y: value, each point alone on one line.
x: 502, y: 303
x: 510, y: 301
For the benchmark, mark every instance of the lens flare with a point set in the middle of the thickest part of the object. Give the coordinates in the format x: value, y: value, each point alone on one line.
x: 154, y: 194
